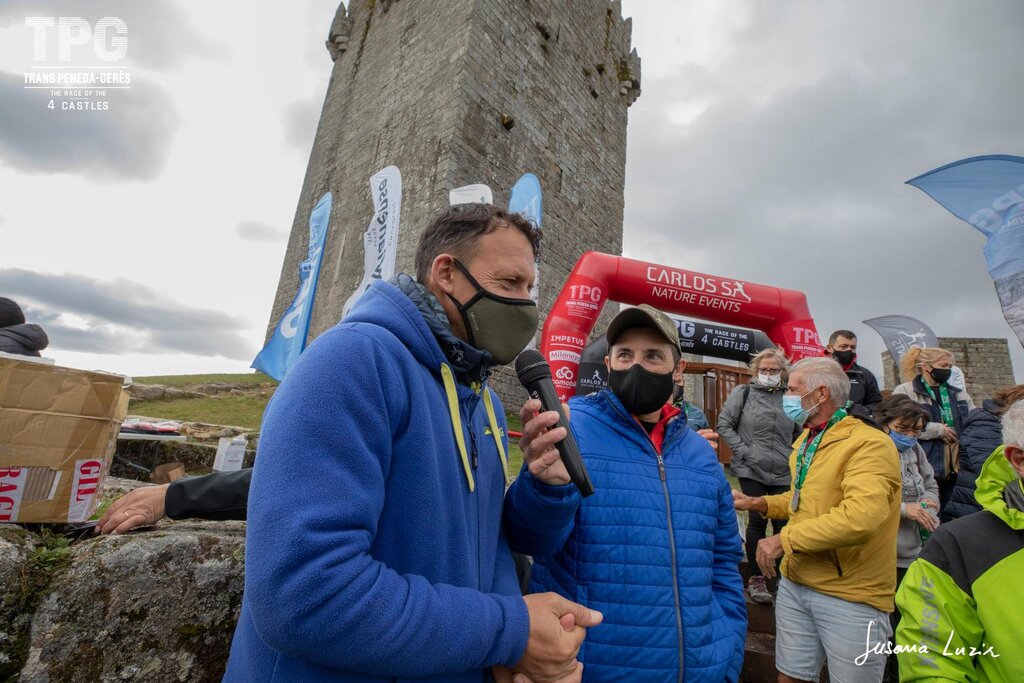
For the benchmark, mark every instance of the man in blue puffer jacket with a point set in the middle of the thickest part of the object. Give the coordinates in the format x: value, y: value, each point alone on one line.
x: 374, y: 550
x: 656, y: 548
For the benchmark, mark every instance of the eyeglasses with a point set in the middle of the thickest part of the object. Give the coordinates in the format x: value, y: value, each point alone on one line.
x: 770, y: 371
x: 907, y: 431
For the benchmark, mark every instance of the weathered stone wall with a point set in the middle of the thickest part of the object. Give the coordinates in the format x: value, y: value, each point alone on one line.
x: 462, y: 91
x: 984, y: 361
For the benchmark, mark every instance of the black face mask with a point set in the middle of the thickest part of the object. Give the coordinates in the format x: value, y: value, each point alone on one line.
x: 941, y: 375
x: 845, y: 357
x: 640, y: 391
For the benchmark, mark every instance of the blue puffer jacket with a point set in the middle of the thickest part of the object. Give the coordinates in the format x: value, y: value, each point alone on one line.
x: 367, y: 558
x: 983, y: 433
x: 658, y: 558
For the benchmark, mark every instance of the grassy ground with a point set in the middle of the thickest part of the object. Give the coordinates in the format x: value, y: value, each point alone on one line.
x: 249, y: 378
x: 236, y: 411
x: 245, y: 410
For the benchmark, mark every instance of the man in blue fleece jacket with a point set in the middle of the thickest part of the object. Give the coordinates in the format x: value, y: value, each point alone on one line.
x: 656, y: 548
x: 375, y: 550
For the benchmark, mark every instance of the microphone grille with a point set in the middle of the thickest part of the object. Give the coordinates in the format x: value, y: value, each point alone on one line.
x: 531, y: 366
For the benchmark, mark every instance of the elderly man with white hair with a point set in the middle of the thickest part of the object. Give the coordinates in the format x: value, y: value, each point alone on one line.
x: 839, y: 546
x: 962, y: 598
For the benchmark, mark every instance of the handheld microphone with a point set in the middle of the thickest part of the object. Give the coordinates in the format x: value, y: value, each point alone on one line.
x: 535, y: 375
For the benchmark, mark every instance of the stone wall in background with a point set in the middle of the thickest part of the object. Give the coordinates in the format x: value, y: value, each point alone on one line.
x: 984, y: 361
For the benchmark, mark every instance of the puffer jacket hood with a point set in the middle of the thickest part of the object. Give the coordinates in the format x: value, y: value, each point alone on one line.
x: 995, y: 490
x: 24, y: 340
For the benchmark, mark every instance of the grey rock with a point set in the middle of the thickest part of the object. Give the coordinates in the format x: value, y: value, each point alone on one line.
x: 155, y: 605
x: 216, y: 387
x: 146, y: 392
x: 18, y: 585
x: 115, y: 487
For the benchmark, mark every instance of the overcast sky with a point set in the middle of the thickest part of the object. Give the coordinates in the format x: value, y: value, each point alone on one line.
x: 770, y: 143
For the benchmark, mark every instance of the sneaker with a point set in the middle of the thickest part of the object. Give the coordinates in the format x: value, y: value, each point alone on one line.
x: 759, y: 590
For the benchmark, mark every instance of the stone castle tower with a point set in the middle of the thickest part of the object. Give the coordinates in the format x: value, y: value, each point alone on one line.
x: 455, y: 92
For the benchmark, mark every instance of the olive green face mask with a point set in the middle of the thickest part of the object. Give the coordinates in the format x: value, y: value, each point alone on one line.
x: 497, y: 324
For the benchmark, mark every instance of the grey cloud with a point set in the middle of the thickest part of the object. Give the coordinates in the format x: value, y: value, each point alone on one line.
x: 123, y: 316
x: 793, y: 173
x: 94, y: 338
x: 257, y: 231
x: 160, y: 35
x: 129, y: 141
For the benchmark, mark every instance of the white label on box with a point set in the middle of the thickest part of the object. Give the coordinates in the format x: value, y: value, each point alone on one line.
x: 230, y: 455
x: 84, y: 489
x: 12, y: 487
x: 53, y: 488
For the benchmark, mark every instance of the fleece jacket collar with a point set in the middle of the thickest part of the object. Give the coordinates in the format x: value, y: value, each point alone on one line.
x: 471, y: 365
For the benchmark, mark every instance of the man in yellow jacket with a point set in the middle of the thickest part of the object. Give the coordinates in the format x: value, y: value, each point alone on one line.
x: 839, y: 546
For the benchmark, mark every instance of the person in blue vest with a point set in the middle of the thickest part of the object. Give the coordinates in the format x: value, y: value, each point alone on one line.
x: 374, y: 549
x: 656, y: 548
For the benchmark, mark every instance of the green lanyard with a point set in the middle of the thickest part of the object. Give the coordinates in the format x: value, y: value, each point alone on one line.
x: 806, y: 453
x: 943, y: 400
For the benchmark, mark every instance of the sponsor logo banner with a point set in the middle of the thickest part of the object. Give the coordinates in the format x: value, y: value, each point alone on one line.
x: 380, y: 241
x: 289, y: 338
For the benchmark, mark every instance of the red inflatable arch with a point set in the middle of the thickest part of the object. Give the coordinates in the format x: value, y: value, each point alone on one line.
x: 781, y: 313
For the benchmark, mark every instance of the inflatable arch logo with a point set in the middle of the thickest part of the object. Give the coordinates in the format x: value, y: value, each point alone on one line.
x: 782, y: 314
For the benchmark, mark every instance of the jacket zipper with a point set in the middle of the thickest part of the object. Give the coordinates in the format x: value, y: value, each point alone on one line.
x: 671, y: 537
x: 675, y: 575
x: 474, y: 459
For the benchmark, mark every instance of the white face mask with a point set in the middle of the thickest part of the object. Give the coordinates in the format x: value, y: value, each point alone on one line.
x: 769, y: 380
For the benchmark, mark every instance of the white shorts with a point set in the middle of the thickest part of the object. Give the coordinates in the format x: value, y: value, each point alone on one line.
x: 811, y: 627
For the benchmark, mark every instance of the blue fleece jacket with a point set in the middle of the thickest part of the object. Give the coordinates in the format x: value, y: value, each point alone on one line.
x: 660, y: 559
x: 367, y: 557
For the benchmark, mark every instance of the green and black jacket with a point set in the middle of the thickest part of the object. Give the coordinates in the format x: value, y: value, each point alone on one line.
x: 963, y: 599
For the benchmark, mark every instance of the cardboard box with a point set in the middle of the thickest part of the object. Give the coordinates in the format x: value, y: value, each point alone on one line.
x: 58, y: 432
x: 167, y: 472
